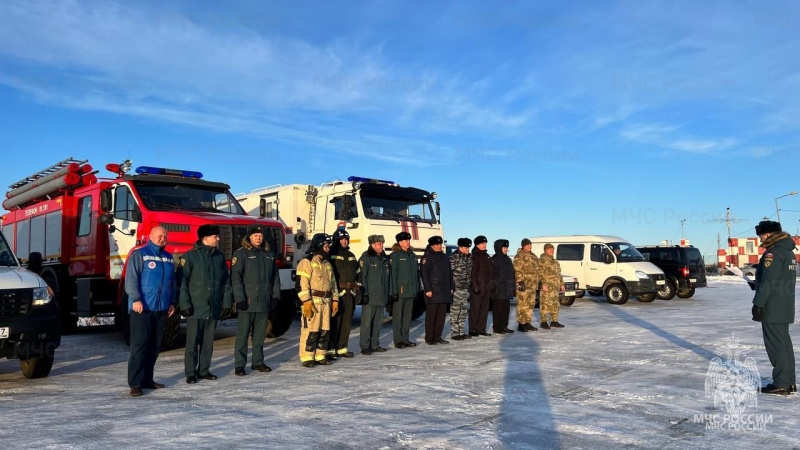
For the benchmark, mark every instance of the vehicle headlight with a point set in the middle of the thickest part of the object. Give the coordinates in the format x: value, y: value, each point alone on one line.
x: 42, y: 296
x: 642, y: 275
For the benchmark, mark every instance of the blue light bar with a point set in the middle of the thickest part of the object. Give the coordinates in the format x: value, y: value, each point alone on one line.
x: 163, y: 171
x: 368, y: 180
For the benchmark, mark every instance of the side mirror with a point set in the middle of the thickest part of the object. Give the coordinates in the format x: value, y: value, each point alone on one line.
x: 107, y: 219
x: 262, y: 208
x: 608, y: 256
x: 35, y: 262
x: 438, y: 211
x: 105, y: 200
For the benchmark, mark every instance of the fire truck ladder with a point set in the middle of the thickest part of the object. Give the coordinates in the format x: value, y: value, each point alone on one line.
x: 45, y: 172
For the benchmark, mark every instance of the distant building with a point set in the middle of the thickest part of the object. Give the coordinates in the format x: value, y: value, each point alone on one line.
x: 744, y: 251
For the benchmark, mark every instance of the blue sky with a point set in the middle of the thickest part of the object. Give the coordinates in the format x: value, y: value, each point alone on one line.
x: 527, y: 118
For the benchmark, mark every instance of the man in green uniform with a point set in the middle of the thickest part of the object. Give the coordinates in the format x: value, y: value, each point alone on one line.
x: 773, y: 304
x: 552, y: 283
x: 374, y: 278
x: 405, y: 283
x: 256, y: 287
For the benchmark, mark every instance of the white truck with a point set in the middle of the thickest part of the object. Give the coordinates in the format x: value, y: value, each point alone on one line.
x: 362, y: 206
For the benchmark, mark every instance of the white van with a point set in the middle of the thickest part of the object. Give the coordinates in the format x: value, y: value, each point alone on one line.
x: 605, y: 265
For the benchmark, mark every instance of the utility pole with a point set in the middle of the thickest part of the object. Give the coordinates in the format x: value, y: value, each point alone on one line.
x: 683, y: 234
x: 728, y: 220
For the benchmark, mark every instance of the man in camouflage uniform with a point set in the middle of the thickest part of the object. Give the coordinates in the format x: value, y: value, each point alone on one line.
x: 461, y: 266
x: 552, y: 284
x: 320, y: 299
x: 526, y: 268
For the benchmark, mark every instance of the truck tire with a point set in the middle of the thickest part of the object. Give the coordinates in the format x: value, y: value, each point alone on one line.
x: 595, y: 293
x: 36, y: 367
x: 667, y: 291
x: 172, y: 325
x: 566, y: 301
x: 69, y: 323
x: 617, y: 293
x: 282, y: 318
x: 646, y: 298
x: 686, y: 293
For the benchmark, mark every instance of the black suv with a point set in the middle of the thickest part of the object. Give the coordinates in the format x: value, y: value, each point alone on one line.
x: 683, y: 266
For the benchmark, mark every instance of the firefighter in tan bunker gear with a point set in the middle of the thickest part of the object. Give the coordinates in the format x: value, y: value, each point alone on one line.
x: 552, y: 284
x: 320, y: 299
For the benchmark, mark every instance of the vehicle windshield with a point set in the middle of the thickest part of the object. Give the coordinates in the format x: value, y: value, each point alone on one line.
x: 187, y: 197
x: 6, y: 255
x: 625, y: 252
x: 397, y: 208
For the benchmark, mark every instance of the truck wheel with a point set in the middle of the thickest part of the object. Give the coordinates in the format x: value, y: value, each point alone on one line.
x: 281, y: 319
x: 419, y: 306
x: 646, y: 298
x: 36, y: 367
x: 566, y: 301
x: 686, y: 293
x: 667, y: 291
x: 69, y: 323
x: 172, y: 325
x: 595, y: 293
x: 617, y: 293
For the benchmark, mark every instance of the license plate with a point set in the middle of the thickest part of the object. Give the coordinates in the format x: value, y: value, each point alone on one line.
x: 693, y: 280
x: 4, y: 332
x: 659, y: 282
x: 569, y: 294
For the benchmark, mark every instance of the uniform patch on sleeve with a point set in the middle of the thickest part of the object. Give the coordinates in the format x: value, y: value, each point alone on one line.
x: 768, y: 259
x: 183, y: 262
x: 233, y: 261
x: 361, y: 263
x: 422, y: 261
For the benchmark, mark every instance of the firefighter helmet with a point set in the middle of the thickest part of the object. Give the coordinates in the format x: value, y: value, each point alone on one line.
x: 318, y: 241
x: 340, y: 234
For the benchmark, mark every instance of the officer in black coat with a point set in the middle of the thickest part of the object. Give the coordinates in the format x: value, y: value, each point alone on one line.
x: 774, y: 304
x: 438, y: 285
x: 481, y: 287
x: 505, y: 286
x: 346, y: 270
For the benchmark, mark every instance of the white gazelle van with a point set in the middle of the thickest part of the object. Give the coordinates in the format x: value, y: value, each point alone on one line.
x: 605, y: 265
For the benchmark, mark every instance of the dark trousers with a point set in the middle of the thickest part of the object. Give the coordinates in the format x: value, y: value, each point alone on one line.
x: 371, y: 322
x: 778, y: 343
x: 435, y: 314
x: 255, y: 322
x: 199, y: 338
x: 401, y: 319
x: 341, y: 324
x: 478, y: 312
x: 500, y: 310
x: 146, y: 330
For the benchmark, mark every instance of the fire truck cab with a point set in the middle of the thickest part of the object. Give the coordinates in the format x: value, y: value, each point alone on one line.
x: 86, y: 231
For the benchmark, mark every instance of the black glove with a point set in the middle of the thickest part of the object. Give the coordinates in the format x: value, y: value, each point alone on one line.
x: 752, y: 285
x: 364, y: 299
x: 521, y: 286
x: 273, y: 305
x: 758, y: 313
x: 242, y: 306
x: 225, y: 313
x: 188, y: 311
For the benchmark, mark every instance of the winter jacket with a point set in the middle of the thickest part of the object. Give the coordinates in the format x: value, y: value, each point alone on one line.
x: 205, y: 282
x: 776, y: 277
x: 526, y: 270
x: 505, y: 284
x: 437, y: 277
x: 550, y: 272
x: 405, y: 272
x: 375, y: 277
x: 345, y: 264
x: 481, y: 280
x: 254, y: 276
x: 461, y: 266
x: 150, y: 278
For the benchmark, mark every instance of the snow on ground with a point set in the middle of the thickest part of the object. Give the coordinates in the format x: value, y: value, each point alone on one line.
x: 629, y: 376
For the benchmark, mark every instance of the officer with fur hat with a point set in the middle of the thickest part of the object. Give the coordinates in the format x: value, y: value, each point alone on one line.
x: 205, y: 297
x: 774, y: 304
x: 375, y: 280
x: 481, y: 288
x: 405, y: 285
x: 437, y: 282
x: 505, y: 285
x: 320, y: 300
x: 256, y: 289
x: 345, y: 268
x: 461, y: 266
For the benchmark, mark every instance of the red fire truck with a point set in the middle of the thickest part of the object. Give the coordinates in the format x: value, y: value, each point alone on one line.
x: 85, y: 227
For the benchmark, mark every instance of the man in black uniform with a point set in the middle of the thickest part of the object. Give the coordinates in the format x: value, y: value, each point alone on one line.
x: 505, y: 286
x: 481, y: 287
x: 438, y: 285
x: 256, y: 286
x: 773, y: 304
x: 345, y: 268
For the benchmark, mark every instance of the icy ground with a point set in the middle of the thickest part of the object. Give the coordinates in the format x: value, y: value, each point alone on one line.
x: 629, y: 376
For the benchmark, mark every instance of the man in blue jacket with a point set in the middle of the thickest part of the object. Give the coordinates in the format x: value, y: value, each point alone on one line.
x: 150, y: 285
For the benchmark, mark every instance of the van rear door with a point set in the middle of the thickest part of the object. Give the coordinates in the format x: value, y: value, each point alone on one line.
x: 697, y: 267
